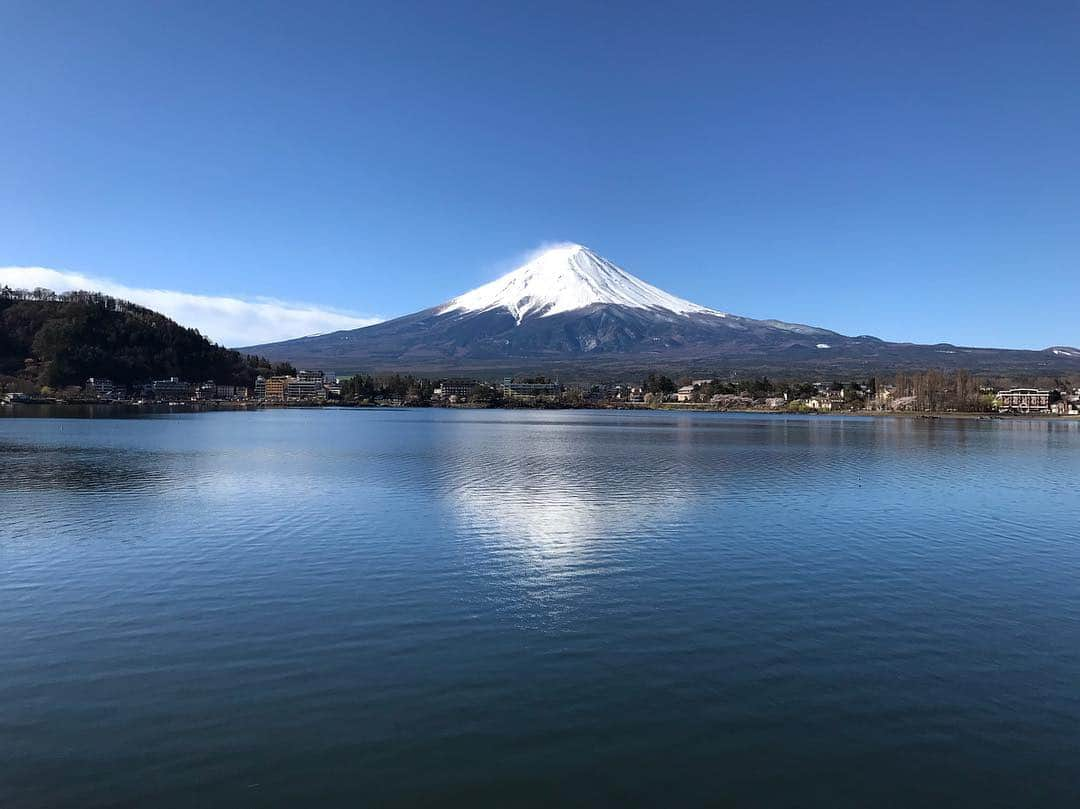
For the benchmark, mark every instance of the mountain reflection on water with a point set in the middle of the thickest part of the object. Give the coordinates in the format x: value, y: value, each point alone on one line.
x: 534, y: 608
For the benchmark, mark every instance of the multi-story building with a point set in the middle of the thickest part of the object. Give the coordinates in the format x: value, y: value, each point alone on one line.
x: 231, y: 392
x: 1023, y: 400
x: 171, y: 388
x: 100, y: 387
x: 206, y: 391
x: 530, y: 390
x: 274, y: 388
x: 456, y: 388
x: 305, y: 385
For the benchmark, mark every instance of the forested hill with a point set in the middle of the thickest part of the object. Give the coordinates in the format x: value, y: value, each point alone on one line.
x: 62, y: 339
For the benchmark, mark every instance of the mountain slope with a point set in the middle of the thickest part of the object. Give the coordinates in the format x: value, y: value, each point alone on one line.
x: 573, y: 311
x: 58, y: 340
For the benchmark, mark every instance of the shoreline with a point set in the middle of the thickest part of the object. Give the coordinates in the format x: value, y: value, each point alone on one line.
x: 11, y: 409
x: 890, y: 414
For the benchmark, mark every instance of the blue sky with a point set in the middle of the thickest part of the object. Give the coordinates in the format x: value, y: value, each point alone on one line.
x: 905, y: 170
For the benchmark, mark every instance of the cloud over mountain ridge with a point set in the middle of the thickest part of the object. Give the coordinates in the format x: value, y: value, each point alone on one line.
x: 231, y: 321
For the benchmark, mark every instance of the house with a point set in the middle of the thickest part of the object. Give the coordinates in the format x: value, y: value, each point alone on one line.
x: 685, y: 394
x: 1072, y: 402
x: 1023, y: 400
x: 881, y: 398
x: 775, y: 402
x: 820, y: 402
x: 1067, y: 405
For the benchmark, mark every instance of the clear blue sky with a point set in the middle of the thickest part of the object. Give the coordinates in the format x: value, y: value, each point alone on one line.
x: 908, y: 170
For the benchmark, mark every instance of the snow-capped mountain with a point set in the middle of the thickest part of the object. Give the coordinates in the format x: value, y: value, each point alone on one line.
x: 570, y: 310
x: 566, y: 278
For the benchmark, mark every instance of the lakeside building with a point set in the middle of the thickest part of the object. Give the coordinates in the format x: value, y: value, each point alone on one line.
x: 882, y: 398
x: 100, y: 388
x: 685, y: 394
x: 206, y: 391
x: 628, y: 393
x: 1023, y: 400
x: 232, y: 392
x: 171, y: 388
x: 305, y: 385
x: 274, y: 388
x: 211, y: 391
x: 615, y: 392
x: 530, y: 390
x: 455, y: 389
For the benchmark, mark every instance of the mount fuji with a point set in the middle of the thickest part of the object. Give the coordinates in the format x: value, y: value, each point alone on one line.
x: 571, y: 311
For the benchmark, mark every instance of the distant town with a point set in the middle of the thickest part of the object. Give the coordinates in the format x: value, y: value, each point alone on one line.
x: 87, y: 348
x: 928, y: 392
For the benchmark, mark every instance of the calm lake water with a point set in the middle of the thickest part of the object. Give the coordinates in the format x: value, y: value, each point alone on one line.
x: 431, y: 607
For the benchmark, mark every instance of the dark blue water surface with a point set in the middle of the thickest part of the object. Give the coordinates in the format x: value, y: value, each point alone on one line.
x: 394, y: 608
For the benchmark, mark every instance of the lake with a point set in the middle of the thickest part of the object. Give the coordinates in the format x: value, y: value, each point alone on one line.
x: 525, y: 608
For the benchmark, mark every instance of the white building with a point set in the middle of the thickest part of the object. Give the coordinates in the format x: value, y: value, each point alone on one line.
x: 685, y: 393
x: 306, y: 385
x: 1023, y: 400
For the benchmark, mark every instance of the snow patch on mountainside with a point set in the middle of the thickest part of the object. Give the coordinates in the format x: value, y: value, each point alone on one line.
x: 566, y: 278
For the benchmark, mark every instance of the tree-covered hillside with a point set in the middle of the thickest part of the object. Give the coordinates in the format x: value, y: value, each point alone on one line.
x: 62, y: 339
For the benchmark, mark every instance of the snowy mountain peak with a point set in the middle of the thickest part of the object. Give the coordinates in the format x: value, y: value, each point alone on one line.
x: 565, y: 278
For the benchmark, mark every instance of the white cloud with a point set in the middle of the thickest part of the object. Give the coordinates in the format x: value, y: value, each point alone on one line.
x: 230, y: 321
